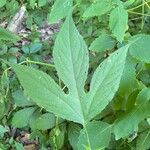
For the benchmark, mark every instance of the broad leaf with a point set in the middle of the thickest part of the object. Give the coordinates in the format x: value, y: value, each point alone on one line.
x: 105, y: 81
x: 103, y: 43
x: 71, y: 58
x: 20, y: 99
x: 45, y: 121
x: 60, y: 9
x: 140, y: 49
x: 96, y: 136
x: 71, y: 61
x: 118, y: 22
x: 21, y: 118
x: 129, y: 122
x: 98, y: 8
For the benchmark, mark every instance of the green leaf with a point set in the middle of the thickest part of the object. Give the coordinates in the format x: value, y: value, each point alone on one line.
x: 45, y: 121
x: 20, y: 99
x: 33, y: 118
x: 99, y: 134
x: 105, y: 81
x: 47, y: 94
x: 128, y: 78
x: 140, y: 48
x: 21, y: 118
x: 32, y: 48
x: 73, y: 134
x: 35, y: 47
x: 103, y: 43
x: 32, y: 3
x: 71, y: 61
x: 71, y: 58
x: 60, y: 9
x: 42, y: 3
x: 130, y: 120
x: 2, y: 131
x: 6, y: 35
x: 19, y: 146
x: 143, y: 141
x: 2, y: 3
x: 118, y: 22
x: 98, y: 8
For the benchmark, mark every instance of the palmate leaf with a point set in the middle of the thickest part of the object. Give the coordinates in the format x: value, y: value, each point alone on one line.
x: 71, y: 62
x: 128, y: 123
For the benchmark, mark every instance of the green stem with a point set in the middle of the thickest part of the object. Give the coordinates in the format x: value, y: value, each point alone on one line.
x: 138, y: 6
x: 143, y: 17
x: 39, y: 63
x: 136, y: 13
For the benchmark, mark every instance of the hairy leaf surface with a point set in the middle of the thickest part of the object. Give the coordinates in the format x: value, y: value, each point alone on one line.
x: 46, y: 93
x: 105, y: 81
x: 72, y: 61
x: 71, y: 58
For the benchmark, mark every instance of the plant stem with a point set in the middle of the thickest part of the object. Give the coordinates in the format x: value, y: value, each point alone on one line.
x: 138, y: 6
x: 39, y: 63
x: 136, y: 13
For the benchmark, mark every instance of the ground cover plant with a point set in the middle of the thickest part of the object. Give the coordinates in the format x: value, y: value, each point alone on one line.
x: 86, y: 86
